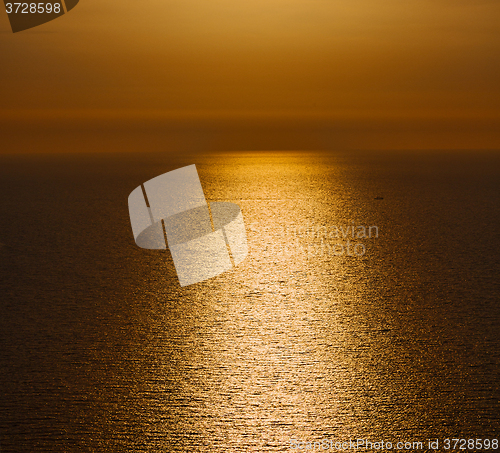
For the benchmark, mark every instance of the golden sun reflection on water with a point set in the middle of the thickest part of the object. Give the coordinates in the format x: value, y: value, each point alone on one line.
x: 274, y: 353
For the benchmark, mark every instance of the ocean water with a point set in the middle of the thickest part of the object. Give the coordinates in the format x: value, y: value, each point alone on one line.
x: 318, y: 336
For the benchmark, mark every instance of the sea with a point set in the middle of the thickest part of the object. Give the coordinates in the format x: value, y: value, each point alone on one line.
x: 366, y: 316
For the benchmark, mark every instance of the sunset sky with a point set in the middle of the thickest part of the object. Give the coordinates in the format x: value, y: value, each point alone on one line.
x: 262, y: 73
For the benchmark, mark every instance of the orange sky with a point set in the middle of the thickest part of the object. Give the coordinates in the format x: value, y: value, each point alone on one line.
x: 349, y: 73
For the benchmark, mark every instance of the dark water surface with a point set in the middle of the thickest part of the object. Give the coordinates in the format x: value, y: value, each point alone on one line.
x: 101, y: 350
